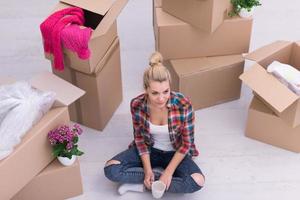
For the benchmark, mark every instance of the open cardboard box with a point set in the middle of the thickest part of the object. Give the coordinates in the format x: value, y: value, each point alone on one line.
x: 175, y: 39
x: 95, y: 109
x: 101, y: 17
x: 284, y: 102
x: 34, y: 152
x: 54, y: 182
x: 206, y: 15
x: 265, y: 126
x: 208, y: 80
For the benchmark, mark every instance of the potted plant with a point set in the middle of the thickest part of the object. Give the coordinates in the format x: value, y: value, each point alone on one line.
x: 64, y: 143
x: 243, y: 8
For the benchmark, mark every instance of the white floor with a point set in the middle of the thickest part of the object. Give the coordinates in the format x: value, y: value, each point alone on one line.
x: 236, y: 167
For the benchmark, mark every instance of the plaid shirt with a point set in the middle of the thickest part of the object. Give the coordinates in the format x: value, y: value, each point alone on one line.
x: 180, y: 123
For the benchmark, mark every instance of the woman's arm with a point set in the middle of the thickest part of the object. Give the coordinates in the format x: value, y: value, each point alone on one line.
x: 166, y: 177
x: 137, y: 130
x: 141, y: 146
x: 149, y: 176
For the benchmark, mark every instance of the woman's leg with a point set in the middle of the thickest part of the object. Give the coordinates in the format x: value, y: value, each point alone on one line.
x: 187, y: 177
x: 126, y: 167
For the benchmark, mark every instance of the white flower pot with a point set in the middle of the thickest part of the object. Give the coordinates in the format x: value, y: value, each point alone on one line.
x: 66, y: 161
x: 244, y: 13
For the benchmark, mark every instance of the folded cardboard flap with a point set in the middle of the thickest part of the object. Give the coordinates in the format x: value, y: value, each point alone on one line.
x: 111, y: 16
x: 107, y: 56
x: 96, y: 6
x: 269, y: 88
x: 110, y: 9
x: 279, y: 50
x: 259, y: 106
x: 66, y: 93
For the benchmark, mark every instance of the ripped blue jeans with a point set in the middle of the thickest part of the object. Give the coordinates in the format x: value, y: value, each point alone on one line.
x: 130, y: 169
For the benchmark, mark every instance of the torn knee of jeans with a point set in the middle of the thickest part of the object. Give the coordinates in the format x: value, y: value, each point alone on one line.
x: 112, y: 162
x: 198, y: 178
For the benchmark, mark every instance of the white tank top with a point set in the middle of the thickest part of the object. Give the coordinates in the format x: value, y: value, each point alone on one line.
x: 160, y: 134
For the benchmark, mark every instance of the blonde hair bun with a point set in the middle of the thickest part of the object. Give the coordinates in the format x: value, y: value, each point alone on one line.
x: 155, y: 59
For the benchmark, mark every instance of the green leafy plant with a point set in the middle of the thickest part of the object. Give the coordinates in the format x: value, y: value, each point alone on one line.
x: 239, y: 4
x: 64, y: 141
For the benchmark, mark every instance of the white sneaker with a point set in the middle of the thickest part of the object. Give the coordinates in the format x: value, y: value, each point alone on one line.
x: 125, y: 187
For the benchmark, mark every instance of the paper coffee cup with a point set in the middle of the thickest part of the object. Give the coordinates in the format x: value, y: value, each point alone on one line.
x: 158, y: 188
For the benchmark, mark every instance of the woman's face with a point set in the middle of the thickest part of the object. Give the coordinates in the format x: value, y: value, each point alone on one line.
x: 158, y: 93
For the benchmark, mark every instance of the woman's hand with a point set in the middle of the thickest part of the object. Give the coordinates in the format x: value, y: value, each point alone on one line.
x: 166, y: 178
x: 148, y: 179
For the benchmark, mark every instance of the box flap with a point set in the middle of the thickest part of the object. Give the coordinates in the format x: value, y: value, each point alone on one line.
x: 268, y: 87
x: 259, y: 106
x: 96, y: 6
x: 66, y: 93
x: 185, y: 67
x: 109, y: 18
x: 107, y: 55
x: 265, y: 51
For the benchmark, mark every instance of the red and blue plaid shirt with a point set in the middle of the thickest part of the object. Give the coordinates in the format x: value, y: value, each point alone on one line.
x: 180, y: 123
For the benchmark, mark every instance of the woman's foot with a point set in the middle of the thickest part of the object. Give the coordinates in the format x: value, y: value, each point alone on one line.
x: 125, y: 187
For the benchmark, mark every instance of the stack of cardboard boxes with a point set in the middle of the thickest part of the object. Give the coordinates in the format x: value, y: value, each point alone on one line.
x: 100, y: 75
x: 274, y: 113
x: 202, y: 48
x: 29, y: 172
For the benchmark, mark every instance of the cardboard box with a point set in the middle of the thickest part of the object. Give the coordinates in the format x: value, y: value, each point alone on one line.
x: 208, y: 80
x: 54, y: 182
x: 68, y: 74
x: 284, y: 102
x: 176, y: 39
x: 34, y: 152
x: 265, y: 126
x: 103, y: 89
x: 206, y: 15
x: 101, y: 17
x: 157, y: 3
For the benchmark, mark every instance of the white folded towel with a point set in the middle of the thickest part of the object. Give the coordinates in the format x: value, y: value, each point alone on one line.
x: 286, y: 74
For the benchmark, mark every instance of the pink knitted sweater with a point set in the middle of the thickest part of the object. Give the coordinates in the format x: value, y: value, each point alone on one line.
x: 59, y: 28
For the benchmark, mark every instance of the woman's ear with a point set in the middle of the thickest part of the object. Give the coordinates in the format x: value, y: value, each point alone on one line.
x: 146, y: 91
